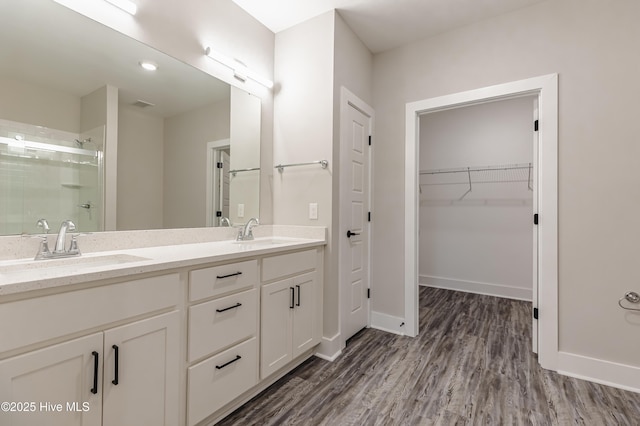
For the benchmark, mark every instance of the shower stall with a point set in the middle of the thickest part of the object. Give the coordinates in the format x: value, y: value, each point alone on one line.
x: 51, y: 174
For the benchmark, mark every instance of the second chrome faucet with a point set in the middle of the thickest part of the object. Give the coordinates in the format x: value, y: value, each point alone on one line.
x: 60, y: 249
x: 246, y: 232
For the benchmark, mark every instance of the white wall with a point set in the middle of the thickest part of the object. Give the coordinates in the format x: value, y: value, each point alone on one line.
x: 42, y: 106
x: 590, y: 45
x: 482, y: 243
x: 303, y: 132
x: 100, y: 109
x: 244, y: 135
x: 195, y: 24
x: 353, y: 64
x: 185, y: 162
x: 140, y: 170
x: 313, y: 60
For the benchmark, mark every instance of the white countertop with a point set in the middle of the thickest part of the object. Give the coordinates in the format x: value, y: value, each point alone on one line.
x: 24, y: 275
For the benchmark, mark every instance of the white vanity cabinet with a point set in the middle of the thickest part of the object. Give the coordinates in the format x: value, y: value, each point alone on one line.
x: 115, y: 375
x: 146, y: 390
x: 223, y: 336
x: 171, y: 341
x: 290, y: 308
x: 58, y: 374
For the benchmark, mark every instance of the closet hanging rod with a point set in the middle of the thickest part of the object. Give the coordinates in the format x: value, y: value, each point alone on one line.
x: 233, y: 172
x: 477, y: 169
x: 631, y: 297
x: 323, y: 164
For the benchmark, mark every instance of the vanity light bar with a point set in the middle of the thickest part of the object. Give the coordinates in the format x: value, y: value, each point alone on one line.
x: 126, y: 5
x: 240, y: 71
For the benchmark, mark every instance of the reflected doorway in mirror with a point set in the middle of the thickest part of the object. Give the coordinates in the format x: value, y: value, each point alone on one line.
x: 218, y: 165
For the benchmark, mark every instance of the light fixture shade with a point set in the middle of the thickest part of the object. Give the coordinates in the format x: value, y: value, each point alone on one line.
x: 240, y: 71
x: 148, y: 65
x: 126, y: 5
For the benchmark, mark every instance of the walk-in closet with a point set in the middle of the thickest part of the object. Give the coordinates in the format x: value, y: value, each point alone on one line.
x: 477, y: 190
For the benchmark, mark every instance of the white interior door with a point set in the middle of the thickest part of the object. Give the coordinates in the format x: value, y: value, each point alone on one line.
x: 534, y: 185
x: 354, y: 226
x: 225, y: 160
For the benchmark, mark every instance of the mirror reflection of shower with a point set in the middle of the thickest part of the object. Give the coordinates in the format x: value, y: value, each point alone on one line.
x: 49, y: 173
x: 81, y: 143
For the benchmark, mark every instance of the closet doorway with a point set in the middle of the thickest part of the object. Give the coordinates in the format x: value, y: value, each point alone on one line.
x: 478, y: 189
x: 442, y: 175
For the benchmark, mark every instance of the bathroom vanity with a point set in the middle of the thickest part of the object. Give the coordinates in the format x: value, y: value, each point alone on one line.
x: 165, y: 335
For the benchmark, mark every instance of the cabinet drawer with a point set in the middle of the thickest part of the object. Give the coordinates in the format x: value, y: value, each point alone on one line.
x: 212, y: 384
x: 48, y: 317
x: 222, y: 279
x: 288, y: 264
x: 222, y: 322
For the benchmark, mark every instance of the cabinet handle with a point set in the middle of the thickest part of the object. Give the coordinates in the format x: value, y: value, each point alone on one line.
x: 350, y: 234
x: 220, y: 367
x: 293, y: 295
x: 229, y: 275
x: 94, y: 389
x: 237, y: 305
x: 115, y: 367
x: 298, y: 303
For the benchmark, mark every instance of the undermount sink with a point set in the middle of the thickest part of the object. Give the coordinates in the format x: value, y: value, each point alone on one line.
x: 70, y: 265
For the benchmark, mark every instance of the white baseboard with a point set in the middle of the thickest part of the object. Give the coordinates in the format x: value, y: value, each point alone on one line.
x: 387, y: 323
x: 330, y: 348
x: 497, y: 290
x: 607, y: 373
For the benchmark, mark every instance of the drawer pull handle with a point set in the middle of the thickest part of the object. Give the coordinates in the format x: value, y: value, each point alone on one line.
x: 237, y: 305
x: 220, y: 367
x: 293, y: 296
x: 115, y: 365
x: 227, y: 276
x: 94, y: 389
x: 298, y: 303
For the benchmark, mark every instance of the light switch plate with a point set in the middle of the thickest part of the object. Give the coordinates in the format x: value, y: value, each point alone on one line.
x: 240, y: 210
x: 313, y: 211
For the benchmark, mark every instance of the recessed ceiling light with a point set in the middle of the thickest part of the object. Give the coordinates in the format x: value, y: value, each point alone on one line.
x: 148, y: 65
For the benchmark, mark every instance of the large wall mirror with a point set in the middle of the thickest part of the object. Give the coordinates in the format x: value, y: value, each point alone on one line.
x: 81, y: 122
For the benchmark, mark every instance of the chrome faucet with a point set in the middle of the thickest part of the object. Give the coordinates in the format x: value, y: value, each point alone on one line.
x: 246, y: 232
x: 225, y: 222
x: 65, y: 226
x: 43, y: 250
x: 60, y: 247
x: 42, y: 223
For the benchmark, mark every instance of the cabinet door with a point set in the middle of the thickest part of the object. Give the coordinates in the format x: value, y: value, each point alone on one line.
x: 147, y: 386
x: 276, y: 313
x: 58, y: 380
x: 304, y: 333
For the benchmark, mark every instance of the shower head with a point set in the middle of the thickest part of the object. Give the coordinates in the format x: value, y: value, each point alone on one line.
x: 81, y: 143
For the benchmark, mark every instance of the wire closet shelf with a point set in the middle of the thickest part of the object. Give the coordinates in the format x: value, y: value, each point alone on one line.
x: 505, y: 173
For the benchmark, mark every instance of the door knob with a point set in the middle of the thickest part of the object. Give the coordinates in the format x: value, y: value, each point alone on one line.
x: 349, y: 234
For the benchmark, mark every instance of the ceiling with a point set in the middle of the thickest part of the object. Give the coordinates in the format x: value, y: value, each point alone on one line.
x: 383, y: 24
x: 47, y: 45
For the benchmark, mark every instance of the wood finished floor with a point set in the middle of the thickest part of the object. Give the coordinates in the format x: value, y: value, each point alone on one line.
x: 471, y: 365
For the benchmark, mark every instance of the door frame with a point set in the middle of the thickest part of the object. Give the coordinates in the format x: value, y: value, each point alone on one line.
x: 350, y: 100
x: 212, y: 157
x: 546, y: 88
